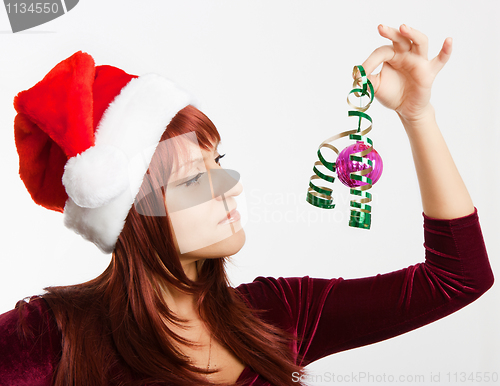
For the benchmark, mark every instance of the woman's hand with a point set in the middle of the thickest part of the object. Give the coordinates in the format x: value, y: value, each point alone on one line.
x: 405, y: 81
x: 404, y: 85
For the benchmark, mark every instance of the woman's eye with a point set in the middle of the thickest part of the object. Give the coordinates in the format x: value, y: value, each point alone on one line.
x: 195, y: 180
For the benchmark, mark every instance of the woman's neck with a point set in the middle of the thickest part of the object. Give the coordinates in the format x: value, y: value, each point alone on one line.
x: 180, y: 303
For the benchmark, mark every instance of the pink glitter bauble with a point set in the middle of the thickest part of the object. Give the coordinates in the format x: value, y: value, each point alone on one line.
x: 345, y: 166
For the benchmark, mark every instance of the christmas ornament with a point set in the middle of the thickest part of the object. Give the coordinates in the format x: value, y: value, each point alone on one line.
x: 358, y: 166
x: 345, y: 166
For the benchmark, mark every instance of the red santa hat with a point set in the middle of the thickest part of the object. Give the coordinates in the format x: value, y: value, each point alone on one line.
x: 85, y: 136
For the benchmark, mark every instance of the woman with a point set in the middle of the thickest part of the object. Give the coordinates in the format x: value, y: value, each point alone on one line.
x: 163, y: 311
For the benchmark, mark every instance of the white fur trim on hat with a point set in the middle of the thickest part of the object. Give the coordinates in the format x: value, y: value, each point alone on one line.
x: 100, y: 186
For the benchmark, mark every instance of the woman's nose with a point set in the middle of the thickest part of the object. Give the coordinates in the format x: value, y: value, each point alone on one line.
x: 225, y: 182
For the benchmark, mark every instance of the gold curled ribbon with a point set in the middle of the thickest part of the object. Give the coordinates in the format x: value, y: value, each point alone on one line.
x: 321, y: 196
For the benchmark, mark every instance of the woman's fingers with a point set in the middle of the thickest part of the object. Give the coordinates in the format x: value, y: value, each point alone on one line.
x: 377, y: 57
x: 405, y: 41
x: 400, y: 42
x: 444, y: 55
x: 420, y: 42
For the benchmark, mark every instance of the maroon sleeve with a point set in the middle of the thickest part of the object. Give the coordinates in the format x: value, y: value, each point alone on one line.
x: 30, y: 344
x: 332, y: 315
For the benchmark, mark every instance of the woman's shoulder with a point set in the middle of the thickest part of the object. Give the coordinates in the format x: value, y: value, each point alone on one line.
x: 283, y: 285
x: 30, y: 343
x: 32, y: 303
x: 285, y: 292
x: 27, y: 315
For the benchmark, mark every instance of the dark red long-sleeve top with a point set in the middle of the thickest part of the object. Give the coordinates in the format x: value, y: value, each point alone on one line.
x: 330, y: 315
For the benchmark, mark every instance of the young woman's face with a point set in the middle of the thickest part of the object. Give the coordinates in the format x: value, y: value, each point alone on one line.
x: 199, y: 198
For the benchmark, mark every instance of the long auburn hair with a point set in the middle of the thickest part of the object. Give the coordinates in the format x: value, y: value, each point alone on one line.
x: 113, y: 327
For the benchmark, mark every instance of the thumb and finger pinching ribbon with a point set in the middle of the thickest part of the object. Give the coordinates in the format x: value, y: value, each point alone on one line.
x: 357, y: 166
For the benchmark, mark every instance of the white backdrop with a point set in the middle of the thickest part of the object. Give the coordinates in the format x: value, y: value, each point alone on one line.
x: 273, y: 76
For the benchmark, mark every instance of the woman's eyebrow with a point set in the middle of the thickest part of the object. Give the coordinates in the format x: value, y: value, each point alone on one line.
x: 196, y: 160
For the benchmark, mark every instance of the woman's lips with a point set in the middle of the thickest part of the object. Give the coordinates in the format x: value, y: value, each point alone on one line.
x: 234, y: 216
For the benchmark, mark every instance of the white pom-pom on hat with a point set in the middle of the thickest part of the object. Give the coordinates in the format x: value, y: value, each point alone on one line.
x: 96, y: 176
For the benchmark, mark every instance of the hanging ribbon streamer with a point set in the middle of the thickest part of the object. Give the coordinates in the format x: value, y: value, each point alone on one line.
x: 362, y: 171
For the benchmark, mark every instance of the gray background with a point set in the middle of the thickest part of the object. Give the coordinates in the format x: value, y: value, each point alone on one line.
x: 274, y: 76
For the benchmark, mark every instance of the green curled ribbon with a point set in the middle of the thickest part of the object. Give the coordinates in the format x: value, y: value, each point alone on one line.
x: 321, y: 196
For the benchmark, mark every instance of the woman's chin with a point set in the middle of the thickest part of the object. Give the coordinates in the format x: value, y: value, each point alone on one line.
x: 227, y: 246
x: 230, y: 245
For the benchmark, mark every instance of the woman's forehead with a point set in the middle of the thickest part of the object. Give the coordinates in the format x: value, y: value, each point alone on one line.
x: 191, y: 155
